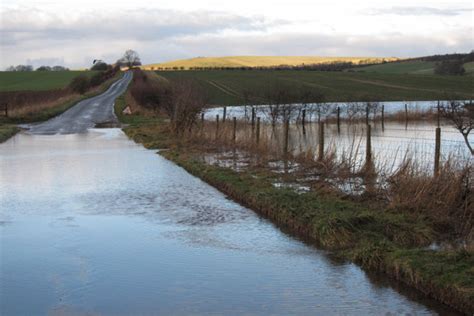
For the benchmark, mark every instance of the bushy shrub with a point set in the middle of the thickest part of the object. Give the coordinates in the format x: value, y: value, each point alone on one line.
x: 97, y: 79
x: 80, y: 84
x: 101, y: 66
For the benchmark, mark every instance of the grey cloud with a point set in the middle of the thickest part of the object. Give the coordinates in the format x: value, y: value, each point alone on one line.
x: 160, y: 35
x: 399, y: 45
x: 145, y: 25
x: 419, y: 11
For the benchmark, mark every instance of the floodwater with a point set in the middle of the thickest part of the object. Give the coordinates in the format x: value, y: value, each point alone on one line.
x: 391, y: 143
x: 95, y: 224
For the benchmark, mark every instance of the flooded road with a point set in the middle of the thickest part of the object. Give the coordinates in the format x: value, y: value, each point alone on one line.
x: 95, y: 224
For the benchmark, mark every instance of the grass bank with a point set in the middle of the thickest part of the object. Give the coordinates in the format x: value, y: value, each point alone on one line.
x: 47, y: 111
x: 7, y: 131
x: 363, y: 231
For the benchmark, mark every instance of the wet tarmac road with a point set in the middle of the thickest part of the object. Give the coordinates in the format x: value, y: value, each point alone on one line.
x: 86, y: 114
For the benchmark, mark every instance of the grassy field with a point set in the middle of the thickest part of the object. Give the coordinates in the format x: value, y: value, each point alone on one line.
x: 257, y: 61
x: 37, y: 80
x: 415, y: 67
x: 226, y: 87
x: 405, y: 67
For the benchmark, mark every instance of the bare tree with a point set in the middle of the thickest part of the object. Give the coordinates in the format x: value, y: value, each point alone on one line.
x: 461, y: 115
x: 354, y: 110
x: 280, y: 99
x: 130, y: 59
x: 312, y: 101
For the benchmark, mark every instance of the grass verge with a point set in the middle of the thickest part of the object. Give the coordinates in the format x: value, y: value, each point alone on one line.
x: 376, y: 238
x: 7, y: 131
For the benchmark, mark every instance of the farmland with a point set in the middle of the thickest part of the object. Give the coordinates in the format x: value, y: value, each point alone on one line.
x: 415, y: 67
x: 226, y: 87
x: 37, y: 80
x: 259, y: 61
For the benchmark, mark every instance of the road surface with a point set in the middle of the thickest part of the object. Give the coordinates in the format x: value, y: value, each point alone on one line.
x: 85, y: 114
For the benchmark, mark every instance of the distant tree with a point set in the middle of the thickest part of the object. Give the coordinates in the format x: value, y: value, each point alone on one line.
x: 43, y: 68
x: 20, y: 68
x: 59, y: 68
x: 450, y: 67
x: 130, y: 59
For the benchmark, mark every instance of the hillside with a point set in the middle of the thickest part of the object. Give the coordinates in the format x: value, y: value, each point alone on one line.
x: 257, y: 61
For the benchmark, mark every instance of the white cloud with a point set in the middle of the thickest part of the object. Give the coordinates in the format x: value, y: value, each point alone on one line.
x: 53, y: 31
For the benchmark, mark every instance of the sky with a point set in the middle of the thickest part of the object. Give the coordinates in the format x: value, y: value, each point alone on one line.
x: 73, y: 33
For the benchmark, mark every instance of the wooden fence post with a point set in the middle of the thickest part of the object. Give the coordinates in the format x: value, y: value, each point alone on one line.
x: 406, y: 116
x: 367, y: 114
x: 437, y: 151
x: 383, y: 117
x: 235, y: 129
x: 286, y: 136
x: 338, y: 120
x: 321, y: 142
x: 258, y: 130
x: 438, y: 116
x: 303, y: 121
x: 253, y: 118
x: 368, y: 149
x: 224, y: 114
x: 217, y: 126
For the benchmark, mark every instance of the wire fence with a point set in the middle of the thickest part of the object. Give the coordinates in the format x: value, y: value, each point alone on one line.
x: 391, y: 142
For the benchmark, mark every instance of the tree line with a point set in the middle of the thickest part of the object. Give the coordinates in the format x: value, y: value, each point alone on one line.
x: 40, y: 68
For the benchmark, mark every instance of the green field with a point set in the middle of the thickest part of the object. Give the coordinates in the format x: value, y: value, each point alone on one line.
x: 259, y: 61
x: 226, y: 87
x: 37, y: 80
x: 406, y: 67
x: 415, y: 67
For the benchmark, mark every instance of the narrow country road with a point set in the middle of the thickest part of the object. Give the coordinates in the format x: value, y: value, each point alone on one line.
x: 85, y: 114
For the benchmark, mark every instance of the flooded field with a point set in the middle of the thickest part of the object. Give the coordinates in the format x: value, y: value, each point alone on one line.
x: 391, y: 142
x: 95, y: 224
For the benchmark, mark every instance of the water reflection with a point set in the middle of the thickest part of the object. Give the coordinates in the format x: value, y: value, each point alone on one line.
x: 94, y: 224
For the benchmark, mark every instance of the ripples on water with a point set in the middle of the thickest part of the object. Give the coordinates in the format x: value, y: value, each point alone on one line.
x: 96, y: 224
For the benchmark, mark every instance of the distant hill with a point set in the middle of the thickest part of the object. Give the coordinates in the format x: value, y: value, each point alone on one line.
x: 259, y: 61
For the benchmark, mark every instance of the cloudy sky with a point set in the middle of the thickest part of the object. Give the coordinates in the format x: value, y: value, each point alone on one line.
x: 74, y: 32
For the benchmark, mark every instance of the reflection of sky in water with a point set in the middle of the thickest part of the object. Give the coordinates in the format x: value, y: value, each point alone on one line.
x: 94, y: 223
x: 328, y: 109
